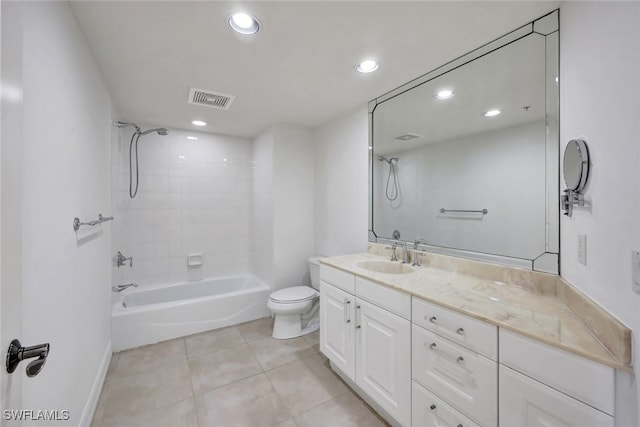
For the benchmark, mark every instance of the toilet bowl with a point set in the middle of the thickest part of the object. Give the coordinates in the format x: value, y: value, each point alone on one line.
x: 296, y: 309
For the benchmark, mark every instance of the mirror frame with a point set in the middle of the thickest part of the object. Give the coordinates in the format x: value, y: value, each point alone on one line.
x: 548, y: 261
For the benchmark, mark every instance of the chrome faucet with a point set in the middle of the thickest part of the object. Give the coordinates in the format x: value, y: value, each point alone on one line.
x: 120, y: 288
x: 416, y: 263
x: 405, y: 254
x: 121, y: 260
x: 393, y: 251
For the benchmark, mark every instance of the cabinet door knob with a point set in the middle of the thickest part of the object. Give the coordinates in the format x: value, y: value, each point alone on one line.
x: 460, y: 331
x: 432, y: 407
x: 433, y: 346
x: 432, y: 319
x: 460, y: 360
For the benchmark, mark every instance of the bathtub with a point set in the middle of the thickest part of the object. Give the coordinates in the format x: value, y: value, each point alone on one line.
x: 151, y: 314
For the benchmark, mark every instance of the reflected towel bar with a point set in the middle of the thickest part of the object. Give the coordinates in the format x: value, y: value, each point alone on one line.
x: 483, y: 211
x: 100, y: 220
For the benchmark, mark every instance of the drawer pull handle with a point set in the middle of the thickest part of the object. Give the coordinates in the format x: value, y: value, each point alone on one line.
x: 347, y: 306
x: 460, y: 360
x: 434, y: 320
x: 433, y: 346
x: 357, y: 317
x: 432, y: 407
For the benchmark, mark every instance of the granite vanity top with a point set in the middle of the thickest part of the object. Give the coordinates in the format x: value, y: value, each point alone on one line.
x: 538, y: 305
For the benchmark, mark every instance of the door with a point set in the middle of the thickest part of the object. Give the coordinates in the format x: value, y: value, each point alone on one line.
x: 336, y: 328
x: 529, y: 403
x: 383, y: 359
x: 10, y: 201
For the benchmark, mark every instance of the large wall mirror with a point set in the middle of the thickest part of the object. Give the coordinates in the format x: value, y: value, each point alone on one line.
x: 465, y: 158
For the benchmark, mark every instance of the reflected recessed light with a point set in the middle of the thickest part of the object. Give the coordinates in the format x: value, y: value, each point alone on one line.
x: 445, y: 94
x: 192, y: 138
x: 243, y: 23
x: 367, y: 66
x: 199, y: 123
x: 492, y: 113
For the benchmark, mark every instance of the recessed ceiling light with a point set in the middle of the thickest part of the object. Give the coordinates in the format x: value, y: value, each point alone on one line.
x: 367, y: 66
x: 492, y: 113
x: 445, y: 94
x: 243, y: 23
x: 192, y: 138
x: 199, y: 123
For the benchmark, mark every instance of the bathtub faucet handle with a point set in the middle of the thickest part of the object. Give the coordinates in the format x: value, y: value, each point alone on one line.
x: 121, y: 260
x: 120, y: 288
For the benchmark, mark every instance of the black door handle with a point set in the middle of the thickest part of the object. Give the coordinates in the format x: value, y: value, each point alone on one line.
x: 17, y: 353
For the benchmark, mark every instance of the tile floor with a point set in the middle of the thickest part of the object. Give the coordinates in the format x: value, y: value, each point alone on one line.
x: 236, y: 376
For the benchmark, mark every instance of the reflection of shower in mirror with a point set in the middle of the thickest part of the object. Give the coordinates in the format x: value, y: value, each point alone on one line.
x: 392, y: 188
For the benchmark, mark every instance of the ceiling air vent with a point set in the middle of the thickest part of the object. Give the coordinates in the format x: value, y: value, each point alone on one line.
x: 407, y: 137
x: 210, y: 98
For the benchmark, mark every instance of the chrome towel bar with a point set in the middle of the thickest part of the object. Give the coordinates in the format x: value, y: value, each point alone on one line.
x: 483, y: 211
x: 100, y: 220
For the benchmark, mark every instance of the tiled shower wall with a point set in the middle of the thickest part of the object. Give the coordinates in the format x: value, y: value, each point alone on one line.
x: 193, y: 197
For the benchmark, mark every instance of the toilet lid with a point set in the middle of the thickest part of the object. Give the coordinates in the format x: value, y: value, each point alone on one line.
x: 294, y: 294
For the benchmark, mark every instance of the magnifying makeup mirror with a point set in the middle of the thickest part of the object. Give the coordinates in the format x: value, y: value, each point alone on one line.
x: 575, y: 166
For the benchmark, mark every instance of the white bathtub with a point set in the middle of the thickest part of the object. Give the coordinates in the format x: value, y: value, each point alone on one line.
x: 142, y: 316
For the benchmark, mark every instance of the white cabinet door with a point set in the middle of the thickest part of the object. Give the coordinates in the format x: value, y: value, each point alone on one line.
x: 337, y: 336
x: 527, y: 403
x: 383, y: 359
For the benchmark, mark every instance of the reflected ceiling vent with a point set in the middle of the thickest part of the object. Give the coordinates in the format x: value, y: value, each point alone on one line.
x: 407, y: 137
x: 210, y: 98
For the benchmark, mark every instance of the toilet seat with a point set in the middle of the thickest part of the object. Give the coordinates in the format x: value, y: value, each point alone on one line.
x: 292, y: 295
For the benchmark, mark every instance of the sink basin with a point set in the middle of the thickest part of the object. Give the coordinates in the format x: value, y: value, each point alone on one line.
x: 386, y: 267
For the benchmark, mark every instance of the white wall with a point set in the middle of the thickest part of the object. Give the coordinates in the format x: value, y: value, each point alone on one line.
x: 283, y: 199
x: 502, y: 171
x: 600, y: 102
x: 66, y: 173
x: 341, y: 185
x: 193, y: 197
x: 262, y: 207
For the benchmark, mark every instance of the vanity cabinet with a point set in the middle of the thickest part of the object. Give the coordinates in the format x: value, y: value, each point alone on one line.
x: 542, y: 385
x: 367, y: 336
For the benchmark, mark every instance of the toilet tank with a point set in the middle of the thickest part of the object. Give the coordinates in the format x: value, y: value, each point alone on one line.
x: 314, y: 271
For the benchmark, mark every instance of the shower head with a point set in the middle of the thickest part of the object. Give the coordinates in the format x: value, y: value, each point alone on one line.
x: 384, y: 159
x: 125, y: 124
x: 159, y: 131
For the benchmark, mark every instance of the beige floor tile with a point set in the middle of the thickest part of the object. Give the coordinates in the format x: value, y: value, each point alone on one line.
x: 251, y: 402
x: 150, y: 358
x: 102, y: 401
x: 212, y: 370
x: 345, y: 410
x: 181, y: 414
x: 313, y: 340
x: 305, y: 384
x: 256, y: 329
x: 113, y: 364
x: 131, y: 394
x: 288, y: 423
x: 207, y: 342
x: 272, y: 353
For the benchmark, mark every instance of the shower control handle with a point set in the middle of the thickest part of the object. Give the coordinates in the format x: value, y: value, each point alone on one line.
x: 121, y: 260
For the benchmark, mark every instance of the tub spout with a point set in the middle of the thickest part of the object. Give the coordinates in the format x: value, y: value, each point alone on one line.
x: 120, y: 288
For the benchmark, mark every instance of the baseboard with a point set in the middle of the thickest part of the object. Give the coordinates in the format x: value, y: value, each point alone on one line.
x: 94, y: 396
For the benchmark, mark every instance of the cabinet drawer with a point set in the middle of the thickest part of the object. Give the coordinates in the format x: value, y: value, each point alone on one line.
x: 587, y: 381
x: 383, y: 296
x: 465, y: 379
x: 338, y: 278
x: 472, y: 333
x: 427, y: 410
x: 526, y: 402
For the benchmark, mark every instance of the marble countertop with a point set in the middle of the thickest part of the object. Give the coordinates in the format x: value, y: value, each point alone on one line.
x: 536, y: 313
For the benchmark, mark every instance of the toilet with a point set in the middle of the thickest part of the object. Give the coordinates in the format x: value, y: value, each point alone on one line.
x: 297, y: 309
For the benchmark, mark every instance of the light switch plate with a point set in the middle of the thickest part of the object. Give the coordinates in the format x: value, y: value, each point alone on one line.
x: 635, y: 271
x: 582, y: 249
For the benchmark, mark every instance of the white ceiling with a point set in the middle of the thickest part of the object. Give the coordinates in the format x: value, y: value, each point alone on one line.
x: 300, y: 69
